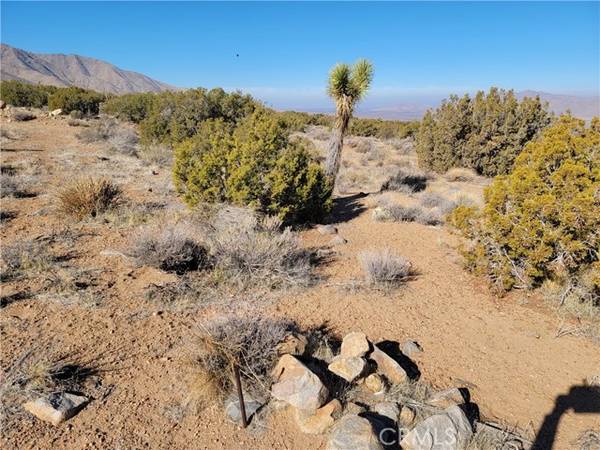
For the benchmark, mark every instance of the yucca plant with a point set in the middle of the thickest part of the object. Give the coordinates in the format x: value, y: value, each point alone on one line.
x: 347, y: 85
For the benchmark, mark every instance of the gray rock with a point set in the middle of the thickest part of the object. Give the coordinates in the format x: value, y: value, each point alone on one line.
x: 233, y: 411
x: 319, y: 421
x: 411, y: 347
x: 447, y: 398
x: 56, y: 407
x: 449, y: 430
x: 348, y: 368
x: 387, y: 409
x: 388, y: 367
x: 297, y: 385
x: 353, y: 433
x: 354, y: 344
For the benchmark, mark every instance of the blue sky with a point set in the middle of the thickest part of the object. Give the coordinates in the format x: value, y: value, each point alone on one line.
x: 420, y: 50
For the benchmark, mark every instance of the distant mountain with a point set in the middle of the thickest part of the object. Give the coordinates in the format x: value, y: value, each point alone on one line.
x: 584, y: 107
x: 73, y: 70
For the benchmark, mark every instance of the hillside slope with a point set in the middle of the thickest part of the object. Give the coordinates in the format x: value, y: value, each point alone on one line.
x: 74, y: 70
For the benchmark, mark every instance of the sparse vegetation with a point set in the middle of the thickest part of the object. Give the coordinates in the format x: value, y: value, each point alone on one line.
x: 121, y: 139
x: 382, y: 267
x: 89, y: 197
x: 485, y: 133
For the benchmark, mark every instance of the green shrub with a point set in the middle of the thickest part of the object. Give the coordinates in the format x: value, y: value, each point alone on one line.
x: 76, y: 99
x: 485, y: 133
x: 131, y: 107
x: 253, y: 164
x: 18, y: 93
x: 542, y: 221
x: 176, y: 116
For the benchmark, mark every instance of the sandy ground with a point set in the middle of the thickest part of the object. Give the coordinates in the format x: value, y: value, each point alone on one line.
x: 503, y: 349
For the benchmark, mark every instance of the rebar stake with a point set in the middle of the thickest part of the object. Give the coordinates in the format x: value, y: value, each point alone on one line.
x: 238, y: 383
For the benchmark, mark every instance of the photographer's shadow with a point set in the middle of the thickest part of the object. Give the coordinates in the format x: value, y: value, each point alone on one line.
x: 580, y: 399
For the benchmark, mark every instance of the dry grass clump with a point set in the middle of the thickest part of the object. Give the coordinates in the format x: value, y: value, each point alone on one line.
x: 158, y: 154
x: 461, y: 174
x: 359, y: 145
x: 394, y: 212
x: 250, y: 343
x: 403, y: 146
x: 24, y: 257
x: 406, y: 180
x: 318, y: 133
x: 250, y: 247
x: 382, y: 267
x: 89, y: 197
x: 173, y: 248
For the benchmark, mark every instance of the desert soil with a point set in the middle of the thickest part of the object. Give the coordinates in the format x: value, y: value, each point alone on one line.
x: 503, y: 349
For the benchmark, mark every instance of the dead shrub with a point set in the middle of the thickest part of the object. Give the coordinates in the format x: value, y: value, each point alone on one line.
x: 24, y: 257
x: 402, y: 146
x: 251, y: 247
x: 121, y: 139
x: 461, y: 174
x: 248, y: 342
x: 384, y: 267
x: 16, y: 186
x: 158, y: 154
x: 89, y: 197
x: 407, y: 181
x: 172, y: 248
x: 23, y: 116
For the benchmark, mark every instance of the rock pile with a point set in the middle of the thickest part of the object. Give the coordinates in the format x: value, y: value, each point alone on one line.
x: 380, y: 420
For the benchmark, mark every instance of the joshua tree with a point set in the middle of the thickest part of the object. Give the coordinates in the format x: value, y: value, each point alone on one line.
x: 347, y: 85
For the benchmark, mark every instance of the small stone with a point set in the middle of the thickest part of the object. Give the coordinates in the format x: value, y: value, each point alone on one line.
x: 388, y: 367
x: 354, y: 344
x: 407, y: 416
x: 56, y: 112
x: 411, y: 347
x: 338, y: 240
x: 319, y: 421
x: 375, y: 383
x: 387, y: 409
x: 354, y: 408
x: 348, y: 368
x: 297, y: 385
x: 353, y: 433
x: 2, y: 104
x: 233, y: 411
x: 56, y: 407
x: 449, y: 430
x: 447, y: 398
x: 293, y: 344
x: 326, y: 229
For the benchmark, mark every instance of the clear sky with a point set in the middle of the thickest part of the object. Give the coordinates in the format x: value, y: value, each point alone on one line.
x: 286, y: 49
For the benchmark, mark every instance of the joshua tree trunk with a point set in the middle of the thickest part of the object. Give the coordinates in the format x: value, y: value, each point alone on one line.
x: 334, y: 155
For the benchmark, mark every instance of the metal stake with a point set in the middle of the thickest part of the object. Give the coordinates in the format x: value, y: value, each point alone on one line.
x: 238, y: 383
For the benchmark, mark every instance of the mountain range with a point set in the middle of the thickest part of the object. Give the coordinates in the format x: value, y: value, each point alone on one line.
x: 101, y: 76
x: 73, y: 70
